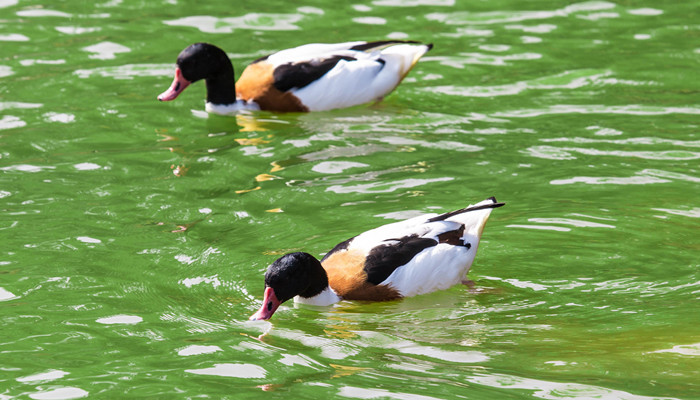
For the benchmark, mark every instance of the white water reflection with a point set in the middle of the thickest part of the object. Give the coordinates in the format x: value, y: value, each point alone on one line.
x: 573, y: 222
x: 685, y: 350
x: 632, y: 109
x: 566, y: 153
x: 541, y: 28
x: 569, y: 80
x: 106, y: 50
x: 11, y: 121
x: 128, y: 71
x: 245, y: 371
x: 644, y: 177
x: 64, y: 118
x: 252, y: 21
x: 692, y: 212
x: 5, y: 71
x: 48, y: 376
x: 610, y: 180
x: 63, y: 393
x: 540, y: 227
x: 27, y: 168
x: 645, y: 11
x: 598, y: 16
x: 336, y: 167
x: 370, y: 20
x: 76, y: 30
x: 362, y: 393
x: 385, y: 341
x: 556, y: 390
x: 30, y: 62
x: 385, y: 187
x: 13, y: 37
x: 6, y: 295
x: 413, y: 3
x: 197, y: 350
x: 637, y: 140
x: 120, y: 319
x: 463, y: 59
x: 40, y: 12
x: 442, y: 144
x: 500, y: 17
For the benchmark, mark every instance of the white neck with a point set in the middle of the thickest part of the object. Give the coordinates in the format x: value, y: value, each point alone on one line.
x: 232, y: 109
x: 325, y: 298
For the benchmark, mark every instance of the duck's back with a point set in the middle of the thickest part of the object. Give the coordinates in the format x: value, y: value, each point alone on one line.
x: 411, y: 257
x: 317, y: 77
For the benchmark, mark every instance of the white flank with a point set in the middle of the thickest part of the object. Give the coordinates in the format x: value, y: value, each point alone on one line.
x: 355, y: 82
x: 438, y: 267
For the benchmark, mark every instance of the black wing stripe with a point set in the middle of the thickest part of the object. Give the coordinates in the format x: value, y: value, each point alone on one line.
x: 297, y: 75
x: 263, y: 58
x: 380, y: 43
x: 383, y: 260
x: 443, y: 217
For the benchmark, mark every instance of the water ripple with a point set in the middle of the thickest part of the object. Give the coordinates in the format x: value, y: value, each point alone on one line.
x: 566, y: 153
x: 62, y: 393
x: 128, y: 71
x: 254, y: 21
x: 244, y: 371
x: 362, y: 393
x: 7, y: 295
x: 385, y: 187
x: 633, y: 109
x: 500, y: 17
x: 106, y: 50
x: 464, y: 59
x: 638, y: 140
x: 10, y: 122
x: 556, y: 390
x: 644, y: 177
x: 565, y: 80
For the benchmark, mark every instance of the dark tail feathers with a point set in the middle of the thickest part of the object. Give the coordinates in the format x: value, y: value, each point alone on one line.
x: 494, y: 204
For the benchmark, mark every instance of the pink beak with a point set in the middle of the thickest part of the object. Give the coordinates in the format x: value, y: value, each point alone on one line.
x: 269, y: 306
x: 179, y: 84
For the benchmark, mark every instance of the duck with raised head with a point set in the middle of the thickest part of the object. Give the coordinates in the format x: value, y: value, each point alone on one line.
x: 407, y: 258
x: 312, y: 77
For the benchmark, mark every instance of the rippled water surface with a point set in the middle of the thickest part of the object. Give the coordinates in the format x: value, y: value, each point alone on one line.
x: 134, y: 234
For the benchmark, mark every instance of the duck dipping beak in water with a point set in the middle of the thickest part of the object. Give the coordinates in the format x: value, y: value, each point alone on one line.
x: 407, y: 258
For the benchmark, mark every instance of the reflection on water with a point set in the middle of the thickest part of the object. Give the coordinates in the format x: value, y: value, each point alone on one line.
x: 555, y: 390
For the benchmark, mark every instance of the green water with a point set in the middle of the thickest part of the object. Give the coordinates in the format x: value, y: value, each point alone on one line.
x: 134, y: 234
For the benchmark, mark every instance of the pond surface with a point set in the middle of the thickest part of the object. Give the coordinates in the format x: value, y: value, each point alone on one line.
x: 135, y: 234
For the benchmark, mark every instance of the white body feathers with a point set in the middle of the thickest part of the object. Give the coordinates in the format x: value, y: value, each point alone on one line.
x: 434, y: 268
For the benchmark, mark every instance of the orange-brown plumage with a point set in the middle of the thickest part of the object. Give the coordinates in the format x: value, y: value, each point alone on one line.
x: 256, y: 84
x: 346, y: 275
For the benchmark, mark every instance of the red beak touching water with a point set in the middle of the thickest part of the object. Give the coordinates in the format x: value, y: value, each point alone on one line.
x: 179, y: 84
x: 269, y: 306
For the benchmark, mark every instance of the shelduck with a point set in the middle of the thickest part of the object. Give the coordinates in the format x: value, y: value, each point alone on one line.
x: 407, y: 258
x: 312, y: 77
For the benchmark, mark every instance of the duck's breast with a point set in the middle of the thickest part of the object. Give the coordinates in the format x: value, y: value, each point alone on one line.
x: 348, y: 277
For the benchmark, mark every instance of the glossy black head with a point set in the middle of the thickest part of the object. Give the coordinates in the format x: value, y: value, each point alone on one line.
x: 203, y: 61
x: 296, y: 274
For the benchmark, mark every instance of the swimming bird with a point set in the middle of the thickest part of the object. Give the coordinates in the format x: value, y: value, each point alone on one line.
x: 312, y: 77
x: 407, y: 258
